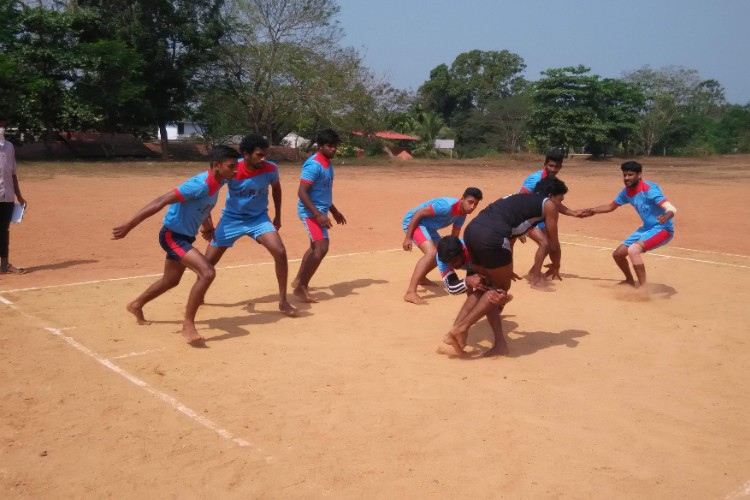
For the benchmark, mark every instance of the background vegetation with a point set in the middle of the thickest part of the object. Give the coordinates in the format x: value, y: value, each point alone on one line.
x: 278, y: 66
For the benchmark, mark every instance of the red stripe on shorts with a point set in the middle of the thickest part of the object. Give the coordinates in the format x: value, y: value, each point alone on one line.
x: 316, y: 232
x: 419, y: 237
x: 657, y: 239
x: 173, y: 244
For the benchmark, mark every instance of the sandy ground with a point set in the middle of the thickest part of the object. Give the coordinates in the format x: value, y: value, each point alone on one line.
x: 602, y: 396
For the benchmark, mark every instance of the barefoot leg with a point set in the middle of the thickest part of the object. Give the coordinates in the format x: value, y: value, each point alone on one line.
x: 414, y: 298
x: 173, y: 271
x: 190, y: 333
x: 452, y: 340
x: 137, y: 311
x: 286, y: 308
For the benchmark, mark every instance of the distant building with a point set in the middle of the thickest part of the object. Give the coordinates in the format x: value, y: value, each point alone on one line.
x: 182, y: 131
x: 293, y: 140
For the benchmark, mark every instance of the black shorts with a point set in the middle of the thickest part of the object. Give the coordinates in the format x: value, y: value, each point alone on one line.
x: 488, y: 246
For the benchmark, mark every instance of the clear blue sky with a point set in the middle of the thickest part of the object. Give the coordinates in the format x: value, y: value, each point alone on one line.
x: 402, y: 40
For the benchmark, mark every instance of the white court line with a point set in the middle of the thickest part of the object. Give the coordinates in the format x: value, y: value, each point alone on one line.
x: 743, y: 492
x: 238, y: 266
x: 663, y: 256
x: 676, y: 248
x: 133, y: 354
x: 143, y: 385
x: 174, y: 403
x: 125, y: 278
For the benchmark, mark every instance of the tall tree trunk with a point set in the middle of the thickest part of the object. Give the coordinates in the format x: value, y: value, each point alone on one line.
x: 164, y: 140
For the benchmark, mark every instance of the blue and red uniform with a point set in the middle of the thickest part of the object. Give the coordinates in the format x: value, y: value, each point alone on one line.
x: 530, y: 184
x: 453, y: 284
x: 197, y: 197
x: 444, y: 212
x: 531, y: 181
x: 246, y: 209
x: 647, y: 199
x: 317, y: 171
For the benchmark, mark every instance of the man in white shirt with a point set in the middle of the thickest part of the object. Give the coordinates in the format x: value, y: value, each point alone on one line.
x: 9, y: 192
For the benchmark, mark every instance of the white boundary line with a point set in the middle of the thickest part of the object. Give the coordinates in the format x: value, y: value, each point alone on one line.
x: 676, y: 248
x: 143, y: 385
x: 238, y: 266
x: 166, y: 398
x: 743, y: 492
x: 663, y: 256
x: 125, y: 278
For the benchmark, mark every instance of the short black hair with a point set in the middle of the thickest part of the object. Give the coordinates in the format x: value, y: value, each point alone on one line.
x: 327, y: 136
x: 475, y: 192
x: 555, y: 155
x: 252, y: 141
x: 550, y: 185
x: 631, y: 166
x: 449, y: 247
x: 222, y: 152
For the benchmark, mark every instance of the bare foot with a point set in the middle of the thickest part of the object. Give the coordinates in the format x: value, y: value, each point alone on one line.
x: 453, y: 340
x: 627, y: 282
x: 497, y: 350
x: 191, y: 334
x: 414, y: 298
x: 446, y: 350
x: 138, y: 313
x: 287, y: 308
x: 303, y: 293
x: 426, y: 282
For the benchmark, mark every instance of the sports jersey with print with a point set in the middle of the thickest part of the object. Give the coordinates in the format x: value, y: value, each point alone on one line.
x: 445, y: 211
x: 513, y: 214
x: 452, y: 283
x: 531, y: 181
x: 197, y: 197
x: 317, y: 171
x: 247, y: 194
x: 647, y: 199
x: 445, y: 267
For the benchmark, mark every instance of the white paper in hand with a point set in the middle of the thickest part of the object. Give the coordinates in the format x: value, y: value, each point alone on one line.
x: 18, y: 211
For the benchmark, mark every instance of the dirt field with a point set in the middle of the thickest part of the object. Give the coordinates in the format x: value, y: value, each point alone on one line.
x: 602, y: 396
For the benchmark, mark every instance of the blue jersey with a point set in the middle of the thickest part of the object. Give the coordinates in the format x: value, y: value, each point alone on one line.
x: 444, y: 212
x: 445, y: 267
x: 197, y: 197
x: 531, y: 181
x: 317, y: 171
x: 247, y: 195
x: 647, y: 199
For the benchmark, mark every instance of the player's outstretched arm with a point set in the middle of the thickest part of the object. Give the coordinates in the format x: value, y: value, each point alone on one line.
x: 603, y: 209
x: 162, y: 201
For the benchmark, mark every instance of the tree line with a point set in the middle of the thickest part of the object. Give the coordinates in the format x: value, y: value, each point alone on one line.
x: 279, y: 66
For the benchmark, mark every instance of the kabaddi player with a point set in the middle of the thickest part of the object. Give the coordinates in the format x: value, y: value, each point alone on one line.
x: 656, y: 213
x: 190, y: 204
x: 553, y: 163
x: 452, y: 254
x: 488, y: 238
x: 315, y: 201
x: 246, y: 212
x: 421, y: 224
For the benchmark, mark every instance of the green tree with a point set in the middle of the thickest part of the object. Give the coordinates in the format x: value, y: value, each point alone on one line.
x: 474, y: 80
x: 109, y: 89
x: 672, y: 94
x: 573, y: 109
x: 175, y: 40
